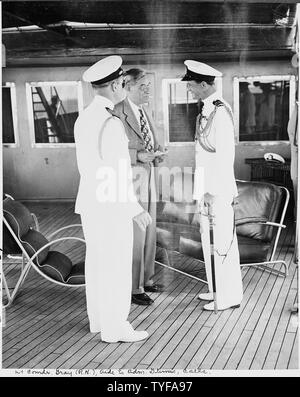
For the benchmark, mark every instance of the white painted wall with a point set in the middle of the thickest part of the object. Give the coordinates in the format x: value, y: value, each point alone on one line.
x: 51, y: 173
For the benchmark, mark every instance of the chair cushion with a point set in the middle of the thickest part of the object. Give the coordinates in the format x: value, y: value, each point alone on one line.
x: 18, y: 216
x: 175, y: 213
x: 191, y: 247
x: 57, y: 266
x: 187, y: 240
x: 251, y: 250
x: 9, y: 244
x: 167, y: 235
x: 77, y: 274
x: 32, y: 242
x: 256, y: 202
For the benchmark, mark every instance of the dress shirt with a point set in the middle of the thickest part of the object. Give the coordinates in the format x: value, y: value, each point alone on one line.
x: 136, y: 112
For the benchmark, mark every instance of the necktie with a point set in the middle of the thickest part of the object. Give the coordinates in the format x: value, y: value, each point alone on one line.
x: 145, y: 132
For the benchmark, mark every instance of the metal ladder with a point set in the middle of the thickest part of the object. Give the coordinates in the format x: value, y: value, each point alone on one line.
x: 55, y: 130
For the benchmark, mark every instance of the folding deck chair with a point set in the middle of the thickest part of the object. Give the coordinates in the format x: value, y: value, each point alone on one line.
x: 260, y: 210
x: 21, y: 236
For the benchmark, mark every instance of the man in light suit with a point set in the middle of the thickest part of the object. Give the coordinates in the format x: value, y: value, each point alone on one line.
x: 107, y: 205
x: 215, y: 150
x: 140, y: 130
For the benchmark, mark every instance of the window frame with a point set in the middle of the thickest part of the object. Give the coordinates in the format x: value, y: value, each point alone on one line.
x: 236, y: 104
x: 31, y: 84
x: 13, y: 99
x: 165, y: 103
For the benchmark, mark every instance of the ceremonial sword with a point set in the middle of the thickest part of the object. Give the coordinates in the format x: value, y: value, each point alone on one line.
x: 211, y: 220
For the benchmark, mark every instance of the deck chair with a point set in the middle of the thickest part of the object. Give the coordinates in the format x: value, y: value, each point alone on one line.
x: 21, y: 236
x: 260, y: 210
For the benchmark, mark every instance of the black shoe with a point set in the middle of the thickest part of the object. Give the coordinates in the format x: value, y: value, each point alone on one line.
x: 154, y: 288
x: 141, y: 299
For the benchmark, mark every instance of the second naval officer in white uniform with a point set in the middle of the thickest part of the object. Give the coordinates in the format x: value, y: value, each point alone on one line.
x: 215, y: 150
x: 107, y: 205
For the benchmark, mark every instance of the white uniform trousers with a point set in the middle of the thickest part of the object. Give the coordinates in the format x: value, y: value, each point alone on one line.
x: 108, y: 272
x: 229, y: 288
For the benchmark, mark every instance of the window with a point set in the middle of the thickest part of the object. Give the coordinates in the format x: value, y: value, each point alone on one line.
x: 53, y: 109
x: 180, y: 111
x: 9, y: 117
x: 262, y: 107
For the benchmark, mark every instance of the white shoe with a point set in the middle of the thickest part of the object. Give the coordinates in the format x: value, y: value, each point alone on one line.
x: 132, y: 336
x: 210, y: 306
x: 208, y: 296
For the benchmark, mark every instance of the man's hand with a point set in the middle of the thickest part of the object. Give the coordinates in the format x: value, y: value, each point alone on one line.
x: 209, y: 199
x: 145, y: 157
x: 143, y: 220
x: 159, y: 159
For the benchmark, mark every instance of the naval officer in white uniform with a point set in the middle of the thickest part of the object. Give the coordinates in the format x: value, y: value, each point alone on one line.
x: 215, y: 150
x: 107, y: 205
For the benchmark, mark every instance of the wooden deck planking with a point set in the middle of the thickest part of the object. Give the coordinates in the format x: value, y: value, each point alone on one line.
x: 26, y: 314
x: 46, y: 332
x: 233, y: 324
x: 232, y: 332
x: 31, y: 309
x: 76, y: 341
x: 259, y: 319
x: 278, y: 339
x: 153, y: 322
x: 177, y: 331
x: 258, y: 283
x: 53, y: 330
x: 81, y: 350
x: 207, y: 352
x: 158, y: 330
x: 74, y: 360
x: 285, y: 351
x: 205, y: 319
x: 237, y: 351
x: 69, y: 340
x: 294, y: 359
x: 46, y: 311
x: 32, y: 289
x: 265, y: 341
x: 243, y: 350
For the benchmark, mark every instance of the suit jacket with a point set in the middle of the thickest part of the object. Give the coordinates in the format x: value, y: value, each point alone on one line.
x: 133, y: 130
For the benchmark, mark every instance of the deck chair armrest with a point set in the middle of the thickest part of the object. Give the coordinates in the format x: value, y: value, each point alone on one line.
x: 53, y: 242
x: 275, y: 224
x: 268, y: 223
x: 64, y: 228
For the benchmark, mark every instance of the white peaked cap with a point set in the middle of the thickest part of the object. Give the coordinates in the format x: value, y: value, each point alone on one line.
x: 107, y: 69
x: 197, y: 69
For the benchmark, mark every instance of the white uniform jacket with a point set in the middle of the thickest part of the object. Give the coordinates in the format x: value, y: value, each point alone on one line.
x: 217, y: 168
x: 101, y: 153
x: 107, y: 204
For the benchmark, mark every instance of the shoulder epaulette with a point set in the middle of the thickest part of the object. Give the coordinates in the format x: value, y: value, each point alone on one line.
x: 218, y: 103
